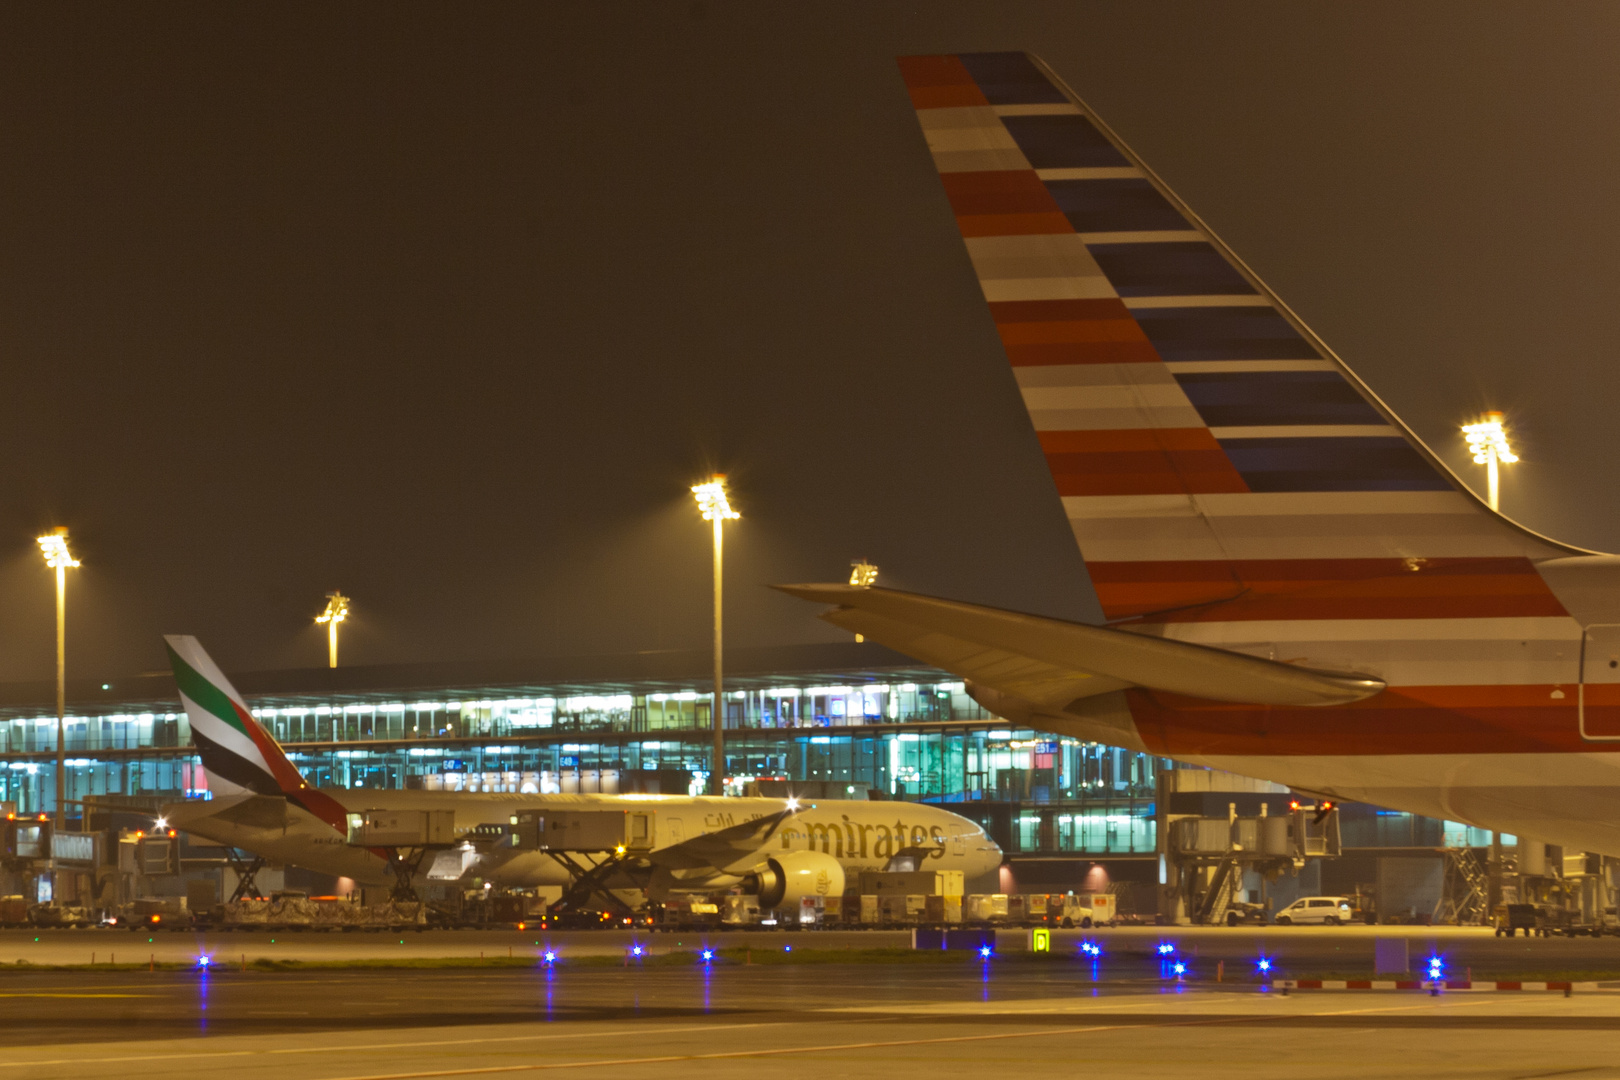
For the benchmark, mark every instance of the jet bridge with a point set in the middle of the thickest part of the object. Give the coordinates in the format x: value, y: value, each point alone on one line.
x: 1210, y: 854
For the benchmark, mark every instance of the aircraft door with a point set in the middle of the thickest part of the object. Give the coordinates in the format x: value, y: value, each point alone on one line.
x: 1598, y: 696
x: 640, y: 836
x: 674, y: 831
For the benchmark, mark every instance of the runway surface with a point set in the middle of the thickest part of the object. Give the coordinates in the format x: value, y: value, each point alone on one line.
x: 1304, y: 952
x: 963, y: 1018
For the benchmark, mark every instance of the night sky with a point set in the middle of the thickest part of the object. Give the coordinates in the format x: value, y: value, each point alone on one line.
x: 447, y: 305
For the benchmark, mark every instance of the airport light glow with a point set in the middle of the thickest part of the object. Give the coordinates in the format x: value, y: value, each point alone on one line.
x: 54, y: 546
x: 1487, y: 440
x: 716, y: 508
x: 337, y: 610
x: 712, y: 501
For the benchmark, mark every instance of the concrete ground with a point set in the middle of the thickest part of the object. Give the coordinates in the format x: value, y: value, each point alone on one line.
x: 962, y: 1018
x: 1305, y: 952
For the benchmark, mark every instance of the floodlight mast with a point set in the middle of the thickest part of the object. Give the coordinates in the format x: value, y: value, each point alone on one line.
x: 54, y: 546
x: 1487, y: 440
x: 713, y: 505
x: 337, y: 609
x: 862, y: 575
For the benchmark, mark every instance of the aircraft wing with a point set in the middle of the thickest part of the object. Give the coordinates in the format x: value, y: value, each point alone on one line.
x: 1054, y: 662
x: 721, y: 849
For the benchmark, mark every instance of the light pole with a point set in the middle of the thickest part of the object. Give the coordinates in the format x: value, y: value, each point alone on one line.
x: 337, y: 609
x: 711, y: 501
x: 54, y: 546
x: 1488, y: 441
x: 862, y: 575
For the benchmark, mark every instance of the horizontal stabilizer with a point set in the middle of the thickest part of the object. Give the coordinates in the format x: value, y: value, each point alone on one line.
x: 718, y: 850
x: 1053, y: 662
x: 254, y: 811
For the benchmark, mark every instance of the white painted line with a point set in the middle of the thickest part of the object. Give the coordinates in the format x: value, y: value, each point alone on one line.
x: 346, y: 1047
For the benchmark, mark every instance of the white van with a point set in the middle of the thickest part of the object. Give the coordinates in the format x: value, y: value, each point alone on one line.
x: 1089, y: 909
x: 1331, y: 910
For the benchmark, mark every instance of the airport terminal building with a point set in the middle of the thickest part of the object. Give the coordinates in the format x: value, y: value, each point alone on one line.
x: 845, y: 720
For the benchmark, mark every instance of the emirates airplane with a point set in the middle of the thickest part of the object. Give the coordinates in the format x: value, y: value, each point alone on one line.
x: 1296, y: 588
x: 780, y: 851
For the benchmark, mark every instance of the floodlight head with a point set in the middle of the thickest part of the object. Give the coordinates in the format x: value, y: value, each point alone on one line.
x: 54, y: 546
x: 862, y: 574
x: 711, y: 499
x: 1488, y: 439
x: 337, y: 608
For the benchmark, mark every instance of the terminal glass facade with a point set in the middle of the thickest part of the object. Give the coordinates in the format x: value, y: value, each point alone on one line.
x: 907, y: 734
x: 910, y: 737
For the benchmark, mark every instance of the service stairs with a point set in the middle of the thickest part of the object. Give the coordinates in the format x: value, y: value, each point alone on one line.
x: 1223, y: 886
x: 1466, y: 888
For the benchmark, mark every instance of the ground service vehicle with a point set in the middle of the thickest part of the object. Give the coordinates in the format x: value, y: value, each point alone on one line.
x: 1307, y: 910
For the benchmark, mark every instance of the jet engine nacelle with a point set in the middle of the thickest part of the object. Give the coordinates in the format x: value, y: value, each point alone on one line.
x: 787, y: 878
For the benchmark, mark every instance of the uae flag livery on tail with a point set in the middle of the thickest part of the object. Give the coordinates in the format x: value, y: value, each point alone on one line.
x: 240, y: 757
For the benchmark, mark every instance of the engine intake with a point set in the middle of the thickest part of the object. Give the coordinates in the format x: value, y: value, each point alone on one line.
x: 788, y: 878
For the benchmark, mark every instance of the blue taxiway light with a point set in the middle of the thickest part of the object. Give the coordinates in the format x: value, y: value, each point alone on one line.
x: 985, y: 952
x: 204, y: 961
x: 1264, y: 965
x: 708, y: 955
x: 1166, y: 948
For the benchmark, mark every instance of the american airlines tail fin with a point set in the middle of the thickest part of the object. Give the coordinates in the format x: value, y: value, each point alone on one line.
x: 1217, y: 462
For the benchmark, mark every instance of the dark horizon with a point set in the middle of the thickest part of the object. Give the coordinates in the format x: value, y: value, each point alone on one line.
x: 446, y: 309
